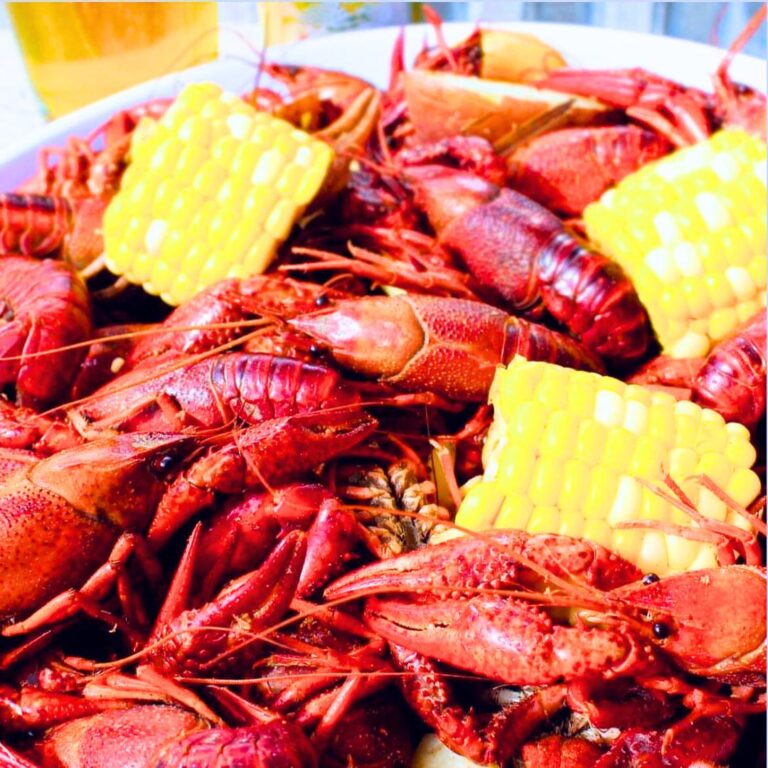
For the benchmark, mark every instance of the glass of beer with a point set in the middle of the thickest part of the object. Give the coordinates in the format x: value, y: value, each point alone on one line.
x: 76, y: 53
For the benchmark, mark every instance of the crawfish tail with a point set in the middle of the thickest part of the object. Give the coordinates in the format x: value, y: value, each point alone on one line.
x: 273, y: 744
x: 594, y: 298
x: 537, y: 342
x: 33, y: 225
x: 732, y: 381
x: 259, y: 386
x: 522, y: 251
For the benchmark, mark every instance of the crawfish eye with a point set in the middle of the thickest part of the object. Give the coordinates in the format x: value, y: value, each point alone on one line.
x: 322, y: 300
x: 650, y: 578
x: 164, y: 464
x: 661, y: 630
x: 316, y: 350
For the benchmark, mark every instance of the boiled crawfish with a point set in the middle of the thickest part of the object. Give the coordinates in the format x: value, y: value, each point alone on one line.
x: 38, y: 326
x: 645, y: 629
x: 731, y: 380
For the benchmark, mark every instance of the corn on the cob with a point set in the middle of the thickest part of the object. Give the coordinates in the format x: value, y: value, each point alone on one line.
x: 211, y: 191
x: 567, y: 451
x: 689, y: 230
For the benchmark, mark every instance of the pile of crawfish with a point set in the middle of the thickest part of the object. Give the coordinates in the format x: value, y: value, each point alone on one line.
x: 215, y: 524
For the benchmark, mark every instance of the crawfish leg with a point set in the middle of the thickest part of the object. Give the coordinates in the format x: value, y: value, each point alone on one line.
x: 259, y: 457
x: 86, y: 599
x: 426, y: 691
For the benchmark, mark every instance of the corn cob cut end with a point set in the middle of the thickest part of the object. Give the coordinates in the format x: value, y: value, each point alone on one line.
x: 574, y: 453
x: 212, y: 189
x: 690, y: 230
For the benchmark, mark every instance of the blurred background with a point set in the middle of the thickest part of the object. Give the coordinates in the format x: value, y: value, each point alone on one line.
x: 57, y: 56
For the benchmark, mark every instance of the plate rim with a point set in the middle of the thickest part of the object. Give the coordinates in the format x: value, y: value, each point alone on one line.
x: 92, y: 114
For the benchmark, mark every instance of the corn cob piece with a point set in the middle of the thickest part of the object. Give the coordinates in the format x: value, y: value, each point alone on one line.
x: 567, y: 450
x: 211, y: 191
x: 690, y: 231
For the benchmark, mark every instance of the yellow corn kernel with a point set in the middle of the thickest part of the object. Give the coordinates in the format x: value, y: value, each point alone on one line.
x: 661, y: 424
x: 619, y: 448
x: 260, y: 254
x: 757, y: 269
x: 706, y: 558
x: 711, y: 506
x: 544, y: 520
x: 720, y: 291
x: 652, y: 556
x: 686, y: 430
x: 552, y: 391
x: 712, y: 437
x: 195, y: 258
x: 743, y: 487
x: 627, y: 543
x: 740, y: 453
x: 598, y: 531
x: 747, y: 310
x: 560, y: 434
x: 515, y: 513
x: 571, y: 524
x: 682, y: 463
x: 736, y: 431
x: 590, y: 442
x: 636, y: 417
x: 646, y: 459
x: 280, y: 220
x: 716, y: 467
x: 547, y: 481
x: 575, y: 486
x: 609, y: 408
x: 511, y: 387
x: 480, y: 507
x: 681, y: 552
x: 528, y: 422
x: 602, y: 490
x: 516, y: 465
x: 627, y: 501
x: 722, y: 322
x: 581, y: 395
x: 653, y: 507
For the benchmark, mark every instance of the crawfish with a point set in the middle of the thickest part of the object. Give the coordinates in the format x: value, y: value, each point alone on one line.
x: 687, y: 617
x: 448, y: 346
x: 731, y: 380
x: 522, y: 251
x: 682, y: 115
x: 567, y: 169
x: 44, y: 306
x: 59, y: 210
x: 211, y: 392
x: 164, y: 736
x: 65, y: 513
x: 647, y: 624
x: 87, y: 495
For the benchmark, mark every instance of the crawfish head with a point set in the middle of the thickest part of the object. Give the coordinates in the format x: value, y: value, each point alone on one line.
x: 65, y: 513
x: 711, y: 621
x: 130, y: 738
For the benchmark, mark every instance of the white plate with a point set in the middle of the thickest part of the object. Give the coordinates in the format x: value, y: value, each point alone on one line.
x: 367, y: 53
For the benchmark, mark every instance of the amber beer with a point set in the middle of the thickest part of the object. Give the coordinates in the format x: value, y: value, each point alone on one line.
x: 78, y: 52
